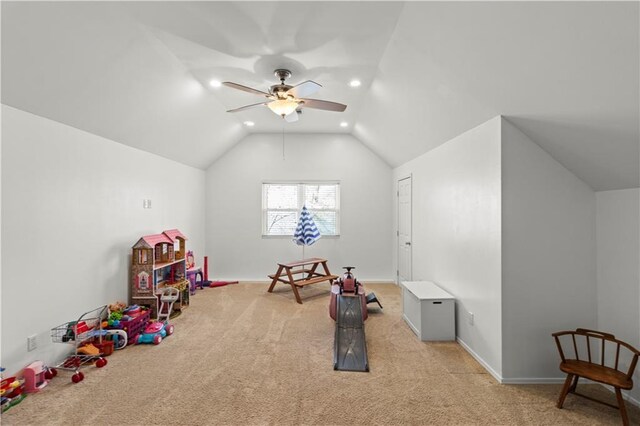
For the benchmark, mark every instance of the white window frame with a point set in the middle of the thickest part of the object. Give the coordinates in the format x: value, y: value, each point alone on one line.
x: 301, y: 197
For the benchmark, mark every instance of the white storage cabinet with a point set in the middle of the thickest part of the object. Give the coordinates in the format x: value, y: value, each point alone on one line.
x: 429, y: 311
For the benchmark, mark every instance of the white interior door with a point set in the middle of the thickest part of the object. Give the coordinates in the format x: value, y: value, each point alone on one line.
x: 404, y: 230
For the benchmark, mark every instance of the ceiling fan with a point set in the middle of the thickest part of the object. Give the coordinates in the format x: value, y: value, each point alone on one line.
x: 285, y: 100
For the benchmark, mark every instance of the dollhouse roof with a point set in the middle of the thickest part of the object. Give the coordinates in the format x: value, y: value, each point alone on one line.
x: 173, y: 234
x: 150, y: 241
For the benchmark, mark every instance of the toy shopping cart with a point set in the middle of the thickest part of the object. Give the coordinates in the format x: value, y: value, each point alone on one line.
x: 81, y: 334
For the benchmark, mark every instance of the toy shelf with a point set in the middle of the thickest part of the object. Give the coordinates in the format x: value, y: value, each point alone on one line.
x: 165, y: 264
x: 183, y: 299
x: 158, y: 261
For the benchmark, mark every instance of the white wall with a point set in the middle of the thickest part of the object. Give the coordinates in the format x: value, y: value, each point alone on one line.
x: 456, y: 232
x: 234, y: 243
x: 548, y: 257
x: 618, y: 217
x: 71, y: 210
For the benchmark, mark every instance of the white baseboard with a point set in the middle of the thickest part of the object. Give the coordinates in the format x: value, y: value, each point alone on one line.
x: 631, y: 399
x: 478, y: 358
x: 535, y: 380
x: 625, y: 394
x: 509, y: 381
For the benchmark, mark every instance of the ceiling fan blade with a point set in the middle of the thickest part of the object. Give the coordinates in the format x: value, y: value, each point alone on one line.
x: 245, y: 88
x: 291, y: 118
x: 324, y: 105
x: 247, y: 107
x: 305, y: 88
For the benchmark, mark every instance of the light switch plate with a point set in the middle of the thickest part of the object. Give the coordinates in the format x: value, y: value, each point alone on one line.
x: 32, y: 344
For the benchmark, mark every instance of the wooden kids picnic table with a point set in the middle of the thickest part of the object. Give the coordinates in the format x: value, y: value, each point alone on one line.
x: 308, y: 268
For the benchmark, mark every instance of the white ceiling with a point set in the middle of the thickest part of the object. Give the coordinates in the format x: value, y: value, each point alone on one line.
x: 566, y: 74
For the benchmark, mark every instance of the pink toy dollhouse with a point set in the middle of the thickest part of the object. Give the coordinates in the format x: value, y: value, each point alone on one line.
x: 158, y: 261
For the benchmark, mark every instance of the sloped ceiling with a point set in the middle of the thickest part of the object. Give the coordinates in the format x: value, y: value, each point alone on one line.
x: 566, y: 74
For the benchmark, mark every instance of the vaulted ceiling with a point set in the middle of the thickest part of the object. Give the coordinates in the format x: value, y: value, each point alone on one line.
x: 139, y: 73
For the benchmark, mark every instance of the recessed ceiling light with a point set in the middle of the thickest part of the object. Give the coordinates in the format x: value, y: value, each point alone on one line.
x: 215, y: 83
x: 344, y: 124
x: 355, y: 83
x: 249, y: 123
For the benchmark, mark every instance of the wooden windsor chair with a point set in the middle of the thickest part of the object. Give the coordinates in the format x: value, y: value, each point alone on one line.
x: 596, y: 365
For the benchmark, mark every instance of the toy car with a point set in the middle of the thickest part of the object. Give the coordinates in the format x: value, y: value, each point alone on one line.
x: 347, y: 284
x: 154, y: 333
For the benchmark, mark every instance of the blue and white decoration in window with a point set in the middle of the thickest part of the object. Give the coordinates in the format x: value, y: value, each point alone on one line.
x: 306, y: 232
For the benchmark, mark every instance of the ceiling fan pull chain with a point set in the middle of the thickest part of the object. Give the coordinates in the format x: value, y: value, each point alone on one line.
x: 283, y: 159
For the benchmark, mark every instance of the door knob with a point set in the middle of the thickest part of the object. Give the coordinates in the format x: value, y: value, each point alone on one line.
x: 407, y: 243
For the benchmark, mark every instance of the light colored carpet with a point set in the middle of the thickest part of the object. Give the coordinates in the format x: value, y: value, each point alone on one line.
x: 243, y: 356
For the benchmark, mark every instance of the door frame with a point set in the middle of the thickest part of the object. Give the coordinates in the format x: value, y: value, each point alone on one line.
x: 398, y: 180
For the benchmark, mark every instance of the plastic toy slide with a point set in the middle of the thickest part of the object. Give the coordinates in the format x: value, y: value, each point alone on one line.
x: 350, y: 346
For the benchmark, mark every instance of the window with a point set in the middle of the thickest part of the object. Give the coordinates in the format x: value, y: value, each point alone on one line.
x: 282, y: 202
x: 142, y: 257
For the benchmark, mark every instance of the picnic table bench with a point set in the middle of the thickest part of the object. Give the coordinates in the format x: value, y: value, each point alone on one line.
x: 308, y: 268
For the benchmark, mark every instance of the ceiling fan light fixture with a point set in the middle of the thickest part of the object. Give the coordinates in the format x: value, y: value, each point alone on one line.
x: 283, y: 107
x: 284, y: 99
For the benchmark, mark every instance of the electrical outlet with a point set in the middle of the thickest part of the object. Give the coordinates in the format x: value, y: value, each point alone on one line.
x: 470, y: 317
x: 32, y: 344
x: 146, y: 204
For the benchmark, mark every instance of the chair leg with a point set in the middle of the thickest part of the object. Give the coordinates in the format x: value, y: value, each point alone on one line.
x: 623, y: 410
x: 574, y: 385
x: 565, y: 390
